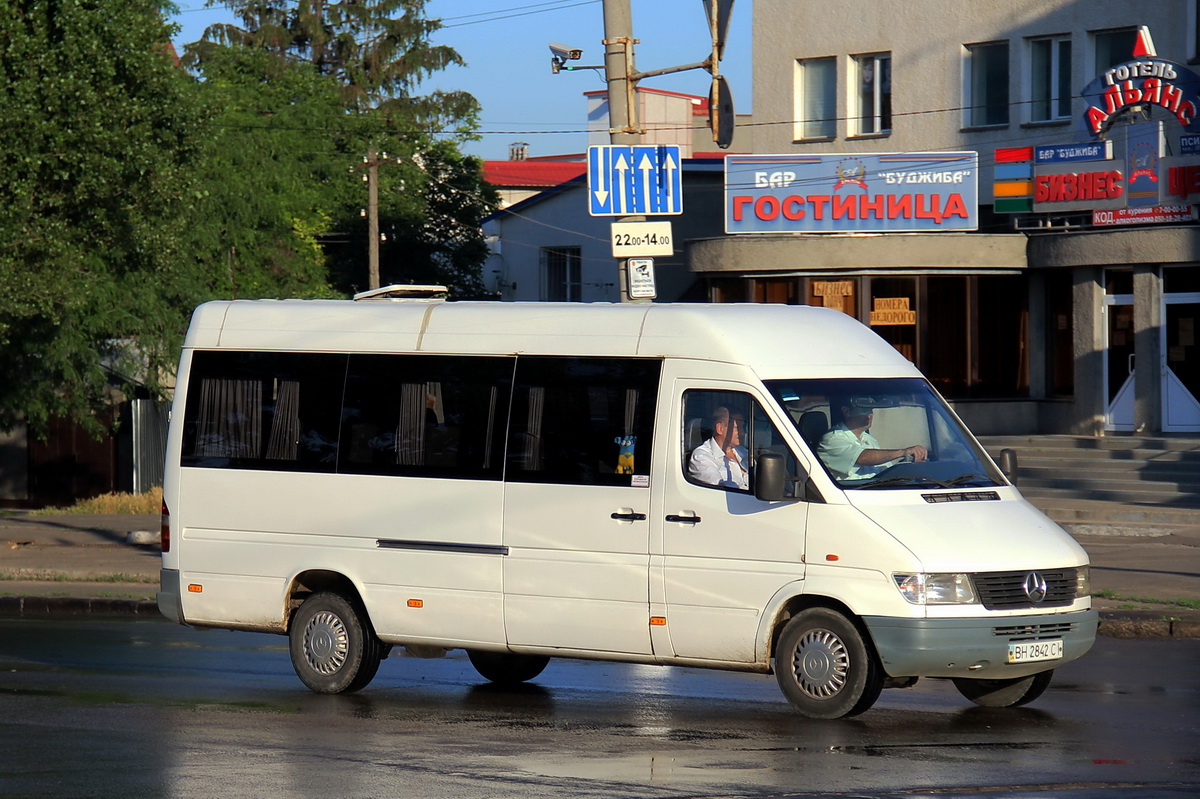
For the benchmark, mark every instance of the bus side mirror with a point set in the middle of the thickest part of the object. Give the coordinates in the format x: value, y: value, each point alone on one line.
x: 770, y: 477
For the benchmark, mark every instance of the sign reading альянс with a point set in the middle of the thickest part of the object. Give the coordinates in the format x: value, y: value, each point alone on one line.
x: 851, y: 192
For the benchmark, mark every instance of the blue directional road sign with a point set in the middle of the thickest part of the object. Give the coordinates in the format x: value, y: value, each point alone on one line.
x: 634, y: 180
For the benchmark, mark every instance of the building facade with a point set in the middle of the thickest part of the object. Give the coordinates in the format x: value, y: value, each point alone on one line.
x: 1068, y: 302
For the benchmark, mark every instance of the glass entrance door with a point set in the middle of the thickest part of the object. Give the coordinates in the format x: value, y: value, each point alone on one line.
x: 1181, y: 363
x: 1118, y: 362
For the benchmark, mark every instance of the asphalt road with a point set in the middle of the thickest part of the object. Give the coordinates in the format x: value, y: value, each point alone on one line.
x: 133, y: 708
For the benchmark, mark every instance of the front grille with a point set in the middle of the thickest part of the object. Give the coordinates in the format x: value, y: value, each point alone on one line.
x: 1006, y: 590
x: 1033, y: 632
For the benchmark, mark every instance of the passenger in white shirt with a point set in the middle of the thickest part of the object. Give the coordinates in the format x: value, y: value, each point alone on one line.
x: 852, y: 453
x: 722, y: 460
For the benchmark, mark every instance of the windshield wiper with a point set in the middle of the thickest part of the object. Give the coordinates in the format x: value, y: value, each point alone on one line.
x: 973, y: 477
x: 911, y: 480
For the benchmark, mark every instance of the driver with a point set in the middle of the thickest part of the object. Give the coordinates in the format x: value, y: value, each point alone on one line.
x: 851, y: 452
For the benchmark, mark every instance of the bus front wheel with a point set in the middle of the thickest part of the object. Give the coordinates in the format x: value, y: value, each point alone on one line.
x: 825, y: 666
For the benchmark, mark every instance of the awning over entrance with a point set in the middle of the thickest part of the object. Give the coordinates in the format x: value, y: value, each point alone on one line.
x: 967, y: 253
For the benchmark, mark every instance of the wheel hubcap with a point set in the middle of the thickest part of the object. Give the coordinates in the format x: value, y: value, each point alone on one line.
x: 326, y: 643
x: 821, y: 664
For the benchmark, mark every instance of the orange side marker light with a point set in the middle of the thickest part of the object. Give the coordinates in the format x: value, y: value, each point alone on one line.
x: 196, y: 588
x: 658, y: 621
x: 416, y: 603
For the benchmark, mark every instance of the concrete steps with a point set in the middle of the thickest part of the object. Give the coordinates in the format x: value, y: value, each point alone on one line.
x: 1127, y: 485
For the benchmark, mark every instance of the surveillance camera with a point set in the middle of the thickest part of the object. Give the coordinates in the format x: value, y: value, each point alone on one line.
x: 563, y: 53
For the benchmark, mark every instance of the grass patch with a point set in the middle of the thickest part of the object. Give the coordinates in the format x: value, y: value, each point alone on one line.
x: 1190, y: 604
x: 41, y: 576
x: 147, y: 503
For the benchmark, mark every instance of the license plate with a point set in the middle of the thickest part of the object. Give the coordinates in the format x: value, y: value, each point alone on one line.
x: 1032, y: 651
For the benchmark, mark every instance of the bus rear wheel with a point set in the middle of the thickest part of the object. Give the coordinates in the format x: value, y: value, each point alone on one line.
x: 825, y: 667
x: 334, y: 649
x: 507, y: 668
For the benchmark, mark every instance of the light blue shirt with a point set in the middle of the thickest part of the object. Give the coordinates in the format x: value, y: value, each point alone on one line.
x: 840, y: 448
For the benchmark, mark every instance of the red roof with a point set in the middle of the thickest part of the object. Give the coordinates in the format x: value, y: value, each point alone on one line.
x: 531, y: 173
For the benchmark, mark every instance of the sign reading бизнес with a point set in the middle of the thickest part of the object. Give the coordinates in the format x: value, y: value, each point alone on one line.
x: 851, y: 192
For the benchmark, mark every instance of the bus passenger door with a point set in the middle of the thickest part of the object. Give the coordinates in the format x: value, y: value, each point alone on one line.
x: 725, y: 554
x: 577, y: 504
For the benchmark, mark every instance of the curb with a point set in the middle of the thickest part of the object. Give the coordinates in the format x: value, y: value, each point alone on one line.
x: 64, y: 606
x: 1113, y: 624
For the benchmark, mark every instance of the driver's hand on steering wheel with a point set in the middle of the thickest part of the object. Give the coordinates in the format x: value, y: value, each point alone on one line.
x: 916, y: 454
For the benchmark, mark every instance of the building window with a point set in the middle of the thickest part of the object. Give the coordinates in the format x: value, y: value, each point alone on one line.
x: 872, y: 98
x: 1050, y: 87
x: 561, y: 274
x: 816, y: 98
x: 1193, y: 27
x: 1113, y: 47
x: 986, y: 84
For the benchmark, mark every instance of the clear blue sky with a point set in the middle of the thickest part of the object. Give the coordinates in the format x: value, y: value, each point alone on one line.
x: 504, y: 43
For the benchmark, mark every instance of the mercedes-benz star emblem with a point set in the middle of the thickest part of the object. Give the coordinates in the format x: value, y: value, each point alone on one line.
x: 1035, y: 586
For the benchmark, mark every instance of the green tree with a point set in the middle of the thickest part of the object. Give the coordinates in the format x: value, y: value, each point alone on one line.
x: 436, y: 239
x: 270, y: 178
x: 97, y: 132
x: 376, y: 52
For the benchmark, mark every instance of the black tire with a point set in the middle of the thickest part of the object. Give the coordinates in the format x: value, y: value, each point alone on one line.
x: 507, y: 668
x: 1012, y: 692
x: 334, y: 649
x: 825, y: 667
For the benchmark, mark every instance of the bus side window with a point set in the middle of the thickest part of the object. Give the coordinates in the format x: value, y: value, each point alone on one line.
x: 583, y: 421
x: 723, y: 434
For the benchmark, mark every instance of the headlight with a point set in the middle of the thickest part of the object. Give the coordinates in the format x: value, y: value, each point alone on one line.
x: 936, y: 589
x: 1083, y: 581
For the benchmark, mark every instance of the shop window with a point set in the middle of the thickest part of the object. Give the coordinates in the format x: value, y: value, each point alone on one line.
x: 785, y: 291
x: 893, y: 313
x: 561, y: 279
x: 1060, y: 344
x: 1050, y: 87
x: 1112, y: 48
x: 1002, y: 322
x: 872, y: 98
x: 986, y: 84
x: 946, y: 354
x: 816, y: 98
x: 1118, y: 281
x: 728, y: 289
x: 841, y: 294
x: 1181, y: 280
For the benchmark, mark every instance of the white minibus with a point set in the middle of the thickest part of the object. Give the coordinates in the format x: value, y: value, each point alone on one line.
x: 762, y: 488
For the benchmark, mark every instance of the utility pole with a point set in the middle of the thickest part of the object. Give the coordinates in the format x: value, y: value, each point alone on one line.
x: 372, y: 178
x: 620, y: 77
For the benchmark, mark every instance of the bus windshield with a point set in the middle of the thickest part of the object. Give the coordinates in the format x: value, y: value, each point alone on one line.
x: 884, y: 433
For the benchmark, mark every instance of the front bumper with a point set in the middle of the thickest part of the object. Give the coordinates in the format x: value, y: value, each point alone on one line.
x: 976, y: 647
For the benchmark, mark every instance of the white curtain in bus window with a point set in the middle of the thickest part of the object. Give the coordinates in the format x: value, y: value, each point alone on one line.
x: 533, y: 430
x: 284, y: 442
x: 230, y: 422
x: 410, y: 433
